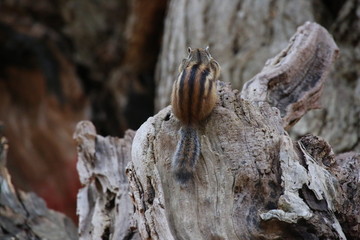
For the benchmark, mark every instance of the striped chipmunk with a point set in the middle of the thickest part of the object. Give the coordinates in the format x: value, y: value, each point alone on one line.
x: 193, y: 98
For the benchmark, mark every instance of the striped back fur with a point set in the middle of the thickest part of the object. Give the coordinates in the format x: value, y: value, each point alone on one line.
x: 194, y: 92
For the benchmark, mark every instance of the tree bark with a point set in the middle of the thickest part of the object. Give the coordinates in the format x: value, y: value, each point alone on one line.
x: 252, y: 180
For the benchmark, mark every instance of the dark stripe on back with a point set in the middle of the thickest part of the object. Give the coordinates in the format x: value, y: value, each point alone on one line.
x: 180, y: 98
x: 203, y: 77
x: 198, y: 55
x: 191, y: 82
x: 210, y: 87
x: 213, y: 68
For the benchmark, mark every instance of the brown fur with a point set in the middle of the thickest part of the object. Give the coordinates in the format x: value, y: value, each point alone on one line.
x: 194, y: 92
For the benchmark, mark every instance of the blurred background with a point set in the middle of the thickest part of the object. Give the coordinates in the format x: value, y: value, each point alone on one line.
x: 114, y: 61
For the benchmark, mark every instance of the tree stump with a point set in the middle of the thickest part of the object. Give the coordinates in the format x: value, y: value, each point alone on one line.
x: 252, y: 180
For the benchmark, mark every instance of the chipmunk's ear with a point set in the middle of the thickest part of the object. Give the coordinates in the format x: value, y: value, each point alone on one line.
x: 216, y: 67
x: 207, y: 51
x: 189, y: 50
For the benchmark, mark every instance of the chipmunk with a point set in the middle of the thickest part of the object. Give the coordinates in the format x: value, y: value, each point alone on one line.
x: 193, y: 98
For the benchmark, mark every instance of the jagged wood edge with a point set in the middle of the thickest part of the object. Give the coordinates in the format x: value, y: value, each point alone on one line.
x: 104, y: 205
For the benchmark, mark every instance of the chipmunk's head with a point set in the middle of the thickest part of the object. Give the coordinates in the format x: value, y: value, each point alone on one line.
x: 198, y: 56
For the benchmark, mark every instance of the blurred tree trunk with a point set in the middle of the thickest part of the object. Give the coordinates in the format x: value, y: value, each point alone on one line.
x: 243, y: 34
x: 63, y: 61
x: 117, y: 45
x: 41, y: 99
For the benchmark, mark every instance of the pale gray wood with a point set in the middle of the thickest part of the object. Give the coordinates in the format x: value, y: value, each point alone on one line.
x: 104, y: 205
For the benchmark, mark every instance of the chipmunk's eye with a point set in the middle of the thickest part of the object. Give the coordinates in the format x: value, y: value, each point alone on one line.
x: 189, y: 50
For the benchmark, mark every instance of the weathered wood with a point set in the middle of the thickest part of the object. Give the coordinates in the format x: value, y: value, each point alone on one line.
x: 25, y: 215
x: 248, y: 182
x: 252, y: 180
x: 338, y: 120
x: 293, y: 80
x: 104, y: 205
